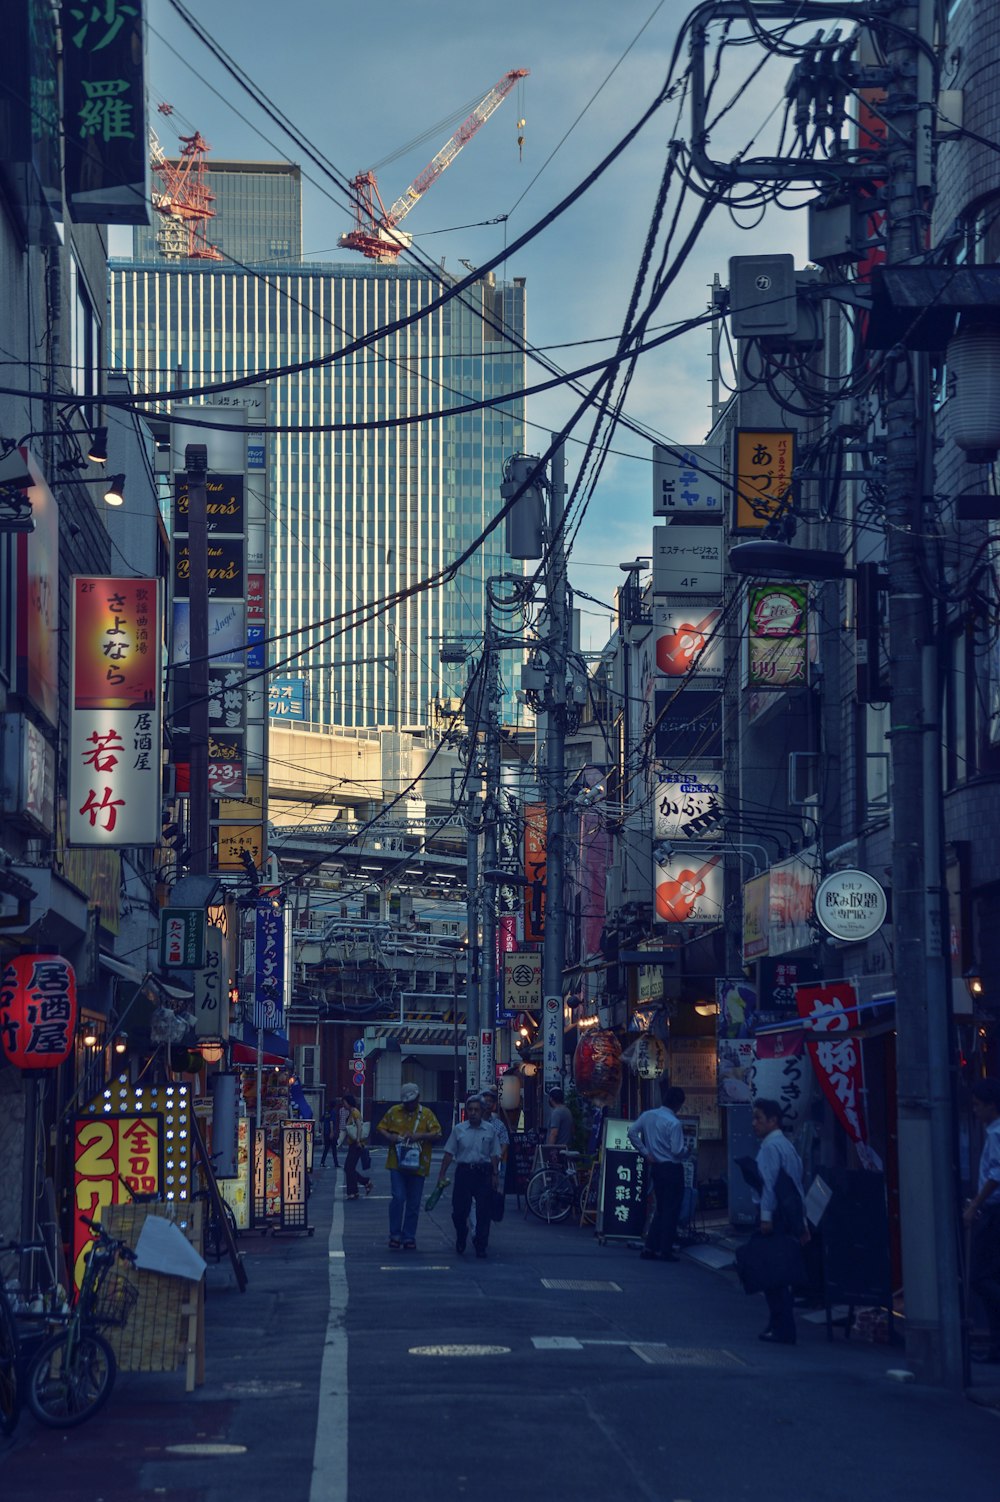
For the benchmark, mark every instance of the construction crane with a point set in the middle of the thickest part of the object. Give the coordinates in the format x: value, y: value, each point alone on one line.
x: 376, y: 233
x: 183, y: 199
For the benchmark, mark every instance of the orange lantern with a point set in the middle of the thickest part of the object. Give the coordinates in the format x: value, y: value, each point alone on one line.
x: 597, y: 1067
x: 37, y: 1010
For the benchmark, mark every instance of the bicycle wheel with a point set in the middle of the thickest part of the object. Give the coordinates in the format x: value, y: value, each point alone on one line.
x: 550, y: 1195
x: 69, y: 1383
x: 220, y: 1230
x: 10, y: 1397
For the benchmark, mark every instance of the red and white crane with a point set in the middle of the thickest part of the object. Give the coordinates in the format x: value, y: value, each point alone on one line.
x: 376, y: 233
x: 182, y: 197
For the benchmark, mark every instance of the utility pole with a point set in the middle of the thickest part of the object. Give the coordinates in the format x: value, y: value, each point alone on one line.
x: 928, y: 1207
x: 491, y: 818
x: 196, y: 466
x: 557, y: 651
x: 473, y: 827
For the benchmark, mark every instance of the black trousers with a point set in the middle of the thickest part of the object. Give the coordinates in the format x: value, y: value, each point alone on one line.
x: 329, y: 1146
x: 668, y: 1186
x: 351, y: 1169
x: 472, y: 1183
x: 781, y: 1308
x: 984, y: 1268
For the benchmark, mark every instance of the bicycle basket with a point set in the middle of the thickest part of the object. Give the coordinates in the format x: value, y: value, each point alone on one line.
x: 114, y: 1301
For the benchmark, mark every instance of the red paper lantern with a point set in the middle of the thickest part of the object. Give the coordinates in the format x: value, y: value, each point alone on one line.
x: 597, y: 1067
x: 37, y: 1010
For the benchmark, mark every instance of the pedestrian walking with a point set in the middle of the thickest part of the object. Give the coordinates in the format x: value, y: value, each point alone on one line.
x: 474, y: 1147
x: 409, y: 1128
x: 492, y: 1117
x: 982, y: 1216
x: 331, y: 1132
x: 782, y: 1216
x: 559, y: 1131
x: 353, y: 1140
x: 659, y: 1137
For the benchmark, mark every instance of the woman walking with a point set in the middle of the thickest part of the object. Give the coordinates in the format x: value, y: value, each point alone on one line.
x: 354, y: 1143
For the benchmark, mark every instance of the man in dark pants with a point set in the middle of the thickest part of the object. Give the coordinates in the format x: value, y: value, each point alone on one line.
x: 331, y: 1132
x: 475, y: 1149
x: 982, y: 1215
x: 781, y: 1210
x: 659, y: 1137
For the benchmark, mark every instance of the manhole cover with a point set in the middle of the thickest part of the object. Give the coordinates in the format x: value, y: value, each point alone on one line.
x: 205, y: 1448
x: 582, y: 1285
x: 686, y: 1356
x: 460, y: 1350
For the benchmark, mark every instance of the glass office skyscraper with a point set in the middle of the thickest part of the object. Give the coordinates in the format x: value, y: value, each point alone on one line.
x: 258, y: 213
x: 367, y: 512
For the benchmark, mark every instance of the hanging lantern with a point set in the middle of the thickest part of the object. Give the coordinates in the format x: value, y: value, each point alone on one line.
x: 37, y: 1010
x: 597, y: 1067
x: 647, y: 1056
x: 974, y: 405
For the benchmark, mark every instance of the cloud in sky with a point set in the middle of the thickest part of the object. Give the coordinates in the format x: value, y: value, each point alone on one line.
x: 363, y: 81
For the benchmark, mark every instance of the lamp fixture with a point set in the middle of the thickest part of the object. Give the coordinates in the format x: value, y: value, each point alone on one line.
x: 211, y: 1050
x: 121, y: 1043
x: 115, y: 493
x: 974, y: 983
x: 707, y: 1008
x: 97, y: 449
x: 89, y: 1038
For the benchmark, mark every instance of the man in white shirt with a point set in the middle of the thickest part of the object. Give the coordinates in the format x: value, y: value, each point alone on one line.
x: 475, y: 1150
x: 659, y: 1137
x: 982, y: 1215
x: 782, y: 1209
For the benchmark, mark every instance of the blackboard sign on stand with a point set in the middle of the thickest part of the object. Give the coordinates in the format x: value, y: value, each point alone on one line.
x: 621, y: 1204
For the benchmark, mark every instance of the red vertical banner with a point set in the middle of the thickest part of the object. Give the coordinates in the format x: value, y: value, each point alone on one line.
x: 535, y: 829
x: 832, y: 1011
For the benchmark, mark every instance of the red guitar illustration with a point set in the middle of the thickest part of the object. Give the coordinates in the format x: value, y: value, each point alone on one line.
x: 675, y: 898
x: 676, y: 652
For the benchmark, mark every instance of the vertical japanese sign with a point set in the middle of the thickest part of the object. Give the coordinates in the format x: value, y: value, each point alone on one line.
x: 552, y: 1041
x: 621, y: 1204
x: 211, y: 989
x: 777, y: 635
x: 108, y: 1149
x: 765, y: 459
x: 182, y: 938
x: 37, y: 1010
x: 270, y: 962
x: 104, y: 112
x: 116, y: 714
x: 832, y: 1011
x: 534, y: 871
x: 258, y: 1203
x: 487, y: 1057
x: 294, y: 1177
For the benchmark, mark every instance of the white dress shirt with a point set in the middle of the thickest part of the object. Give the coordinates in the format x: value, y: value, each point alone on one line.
x: 658, y: 1135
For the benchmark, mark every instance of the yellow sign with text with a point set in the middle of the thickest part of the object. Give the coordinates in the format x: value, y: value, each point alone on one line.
x: 765, y: 459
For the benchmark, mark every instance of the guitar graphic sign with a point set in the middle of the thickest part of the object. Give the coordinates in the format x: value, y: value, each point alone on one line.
x: 686, y: 893
x: 686, y: 640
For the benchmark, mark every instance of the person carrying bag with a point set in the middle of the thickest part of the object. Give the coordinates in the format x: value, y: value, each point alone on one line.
x: 356, y: 1151
x: 409, y: 1128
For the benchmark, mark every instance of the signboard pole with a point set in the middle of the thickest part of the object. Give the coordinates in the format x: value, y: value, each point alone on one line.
x: 196, y: 464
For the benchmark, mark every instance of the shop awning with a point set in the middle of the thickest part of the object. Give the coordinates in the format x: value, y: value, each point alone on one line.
x: 242, y: 1055
x: 136, y: 977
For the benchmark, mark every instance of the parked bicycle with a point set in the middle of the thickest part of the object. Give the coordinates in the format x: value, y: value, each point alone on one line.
x: 13, y: 1345
x: 71, y: 1375
x: 557, y: 1190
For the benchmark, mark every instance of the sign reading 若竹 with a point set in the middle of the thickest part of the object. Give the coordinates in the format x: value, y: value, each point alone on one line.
x: 104, y: 112
x: 182, y: 938
x: 115, y: 716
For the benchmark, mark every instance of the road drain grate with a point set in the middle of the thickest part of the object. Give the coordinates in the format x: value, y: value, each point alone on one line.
x: 582, y: 1285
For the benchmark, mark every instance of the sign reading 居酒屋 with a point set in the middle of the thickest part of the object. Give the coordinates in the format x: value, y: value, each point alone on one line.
x: 115, y: 713
x: 37, y: 1010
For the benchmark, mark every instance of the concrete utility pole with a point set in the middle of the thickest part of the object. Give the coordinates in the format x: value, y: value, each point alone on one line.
x: 491, y: 817
x: 200, y: 833
x: 928, y: 1206
x: 557, y: 651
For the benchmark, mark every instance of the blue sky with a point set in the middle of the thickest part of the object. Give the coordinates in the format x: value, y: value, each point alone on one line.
x: 362, y: 81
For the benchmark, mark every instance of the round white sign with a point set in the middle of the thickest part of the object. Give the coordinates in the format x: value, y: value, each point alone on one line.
x: 850, y: 905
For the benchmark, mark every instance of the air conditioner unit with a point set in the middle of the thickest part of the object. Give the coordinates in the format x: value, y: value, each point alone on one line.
x: 307, y: 1066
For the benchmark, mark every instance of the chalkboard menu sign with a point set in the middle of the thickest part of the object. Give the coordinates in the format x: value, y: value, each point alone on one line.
x: 521, y: 1160
x: 621, y: 1213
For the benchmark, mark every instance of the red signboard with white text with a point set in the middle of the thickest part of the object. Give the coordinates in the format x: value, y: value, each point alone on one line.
x: 831, y: 1011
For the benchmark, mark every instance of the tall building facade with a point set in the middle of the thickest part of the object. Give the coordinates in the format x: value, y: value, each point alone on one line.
x: 384, y: 499
x: 257, y: 214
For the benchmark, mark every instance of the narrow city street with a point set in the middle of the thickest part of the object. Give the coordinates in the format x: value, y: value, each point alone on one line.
x: 555, y: 1368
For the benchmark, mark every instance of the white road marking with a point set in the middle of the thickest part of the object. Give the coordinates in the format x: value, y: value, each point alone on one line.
x: 329, y: 1473
x: 555, y: 1343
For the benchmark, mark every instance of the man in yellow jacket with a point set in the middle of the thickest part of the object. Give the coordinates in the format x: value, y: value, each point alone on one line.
x: 409, y: 1128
